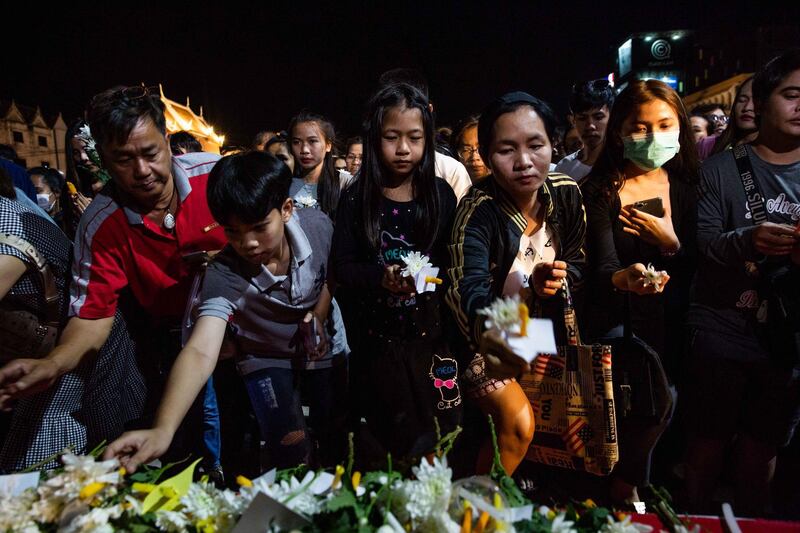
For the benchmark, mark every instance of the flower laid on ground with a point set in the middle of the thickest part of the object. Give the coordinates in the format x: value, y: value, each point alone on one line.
x: 415, y: 262
x: 562, y: 525
x: 294, y: 494
x: 82, y: 479
x: 624, y: 526
x: 90, y: 495
x: 423, y: 502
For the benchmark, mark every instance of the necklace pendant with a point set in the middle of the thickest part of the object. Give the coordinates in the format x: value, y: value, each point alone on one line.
x: 169, y: 221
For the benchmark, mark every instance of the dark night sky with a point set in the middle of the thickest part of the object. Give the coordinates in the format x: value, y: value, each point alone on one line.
x: 252, y: 67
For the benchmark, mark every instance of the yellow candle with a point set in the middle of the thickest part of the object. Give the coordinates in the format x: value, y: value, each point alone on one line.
x: 466, y: 523
x: 523, y: 319
x: 483, y: 519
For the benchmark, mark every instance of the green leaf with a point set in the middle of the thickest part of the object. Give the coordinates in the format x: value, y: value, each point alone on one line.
x: 592, y: 519
x: 298, y: 472
x: 351, y: 452
x: 141, y: 528
x: 512, y: 492
x: 342, y: 500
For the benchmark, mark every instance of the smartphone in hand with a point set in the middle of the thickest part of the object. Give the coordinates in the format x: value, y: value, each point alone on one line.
x: 651, y: 206
x: 309, y: 334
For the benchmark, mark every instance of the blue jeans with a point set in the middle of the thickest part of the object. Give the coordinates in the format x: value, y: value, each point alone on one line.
x: 275, y: 394
x: 211, y: 431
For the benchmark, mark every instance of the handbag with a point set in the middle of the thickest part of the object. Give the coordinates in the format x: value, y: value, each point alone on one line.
x: 24, y: 333
x: 572, y: 397
x: 641, y: 388
x: 778, y: 317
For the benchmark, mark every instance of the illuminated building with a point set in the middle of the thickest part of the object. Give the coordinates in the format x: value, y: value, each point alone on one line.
x: 37, y: 138
x: 182, y: 118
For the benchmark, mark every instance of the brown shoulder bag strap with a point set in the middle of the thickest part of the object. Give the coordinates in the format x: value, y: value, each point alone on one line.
x: 39, y: 264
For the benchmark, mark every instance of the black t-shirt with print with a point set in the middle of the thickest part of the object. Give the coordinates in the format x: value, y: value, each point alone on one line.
x: 360, y: 268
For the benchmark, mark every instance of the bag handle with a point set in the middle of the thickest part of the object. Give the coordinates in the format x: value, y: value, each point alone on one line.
x: 570, y: 318
x: 51, y: 299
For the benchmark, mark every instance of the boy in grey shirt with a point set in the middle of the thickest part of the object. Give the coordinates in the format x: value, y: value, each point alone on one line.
x: 266, y: 293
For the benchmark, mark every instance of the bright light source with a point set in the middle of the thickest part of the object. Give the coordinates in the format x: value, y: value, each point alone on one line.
x: 676, y: 36
x: 648, y: 38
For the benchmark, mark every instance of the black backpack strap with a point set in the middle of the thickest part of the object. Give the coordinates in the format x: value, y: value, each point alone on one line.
x: 752, y: 190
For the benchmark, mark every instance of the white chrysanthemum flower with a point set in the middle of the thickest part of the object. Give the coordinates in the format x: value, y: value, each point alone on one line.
x: 198, y: 503
x: 231, y: 502
x: 305, y: 200
x: 171, y: 521
x: 653, y: 276
x: 48, y: 509
x: 95, y: 520
x: 562, y: 525
x: 625, y: 526
x: 79, y: 473
x: 293, y: 494
x: 503, y: 314
x: 134, y: 506
x: 16, y: 512
x: 424, y: 501
x: 415, y: 262
x: 204, y: 502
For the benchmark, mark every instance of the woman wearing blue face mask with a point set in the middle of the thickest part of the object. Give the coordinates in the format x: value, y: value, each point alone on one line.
x: 641, y: 208
x: 48, y: 184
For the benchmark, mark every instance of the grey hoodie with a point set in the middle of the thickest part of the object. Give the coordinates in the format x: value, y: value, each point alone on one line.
x: 724, y: 295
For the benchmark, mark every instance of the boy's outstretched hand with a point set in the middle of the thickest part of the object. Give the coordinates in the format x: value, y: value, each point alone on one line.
x: 139, y: 447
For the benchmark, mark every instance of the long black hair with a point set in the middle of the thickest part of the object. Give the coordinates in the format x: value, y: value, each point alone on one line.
x: 608, y: 169
x: 371, y: 178
x: 328, y: 187
x: 733, y: 134
x: 80, y: 177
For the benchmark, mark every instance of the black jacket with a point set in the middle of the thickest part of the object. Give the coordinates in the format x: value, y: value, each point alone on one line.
x: 485, y: 241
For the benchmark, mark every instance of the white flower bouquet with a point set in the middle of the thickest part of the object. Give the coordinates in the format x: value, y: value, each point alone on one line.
x: 91, y: 495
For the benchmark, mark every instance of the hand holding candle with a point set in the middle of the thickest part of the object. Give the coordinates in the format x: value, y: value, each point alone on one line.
x: 508, y: 319
x: 421, y: 271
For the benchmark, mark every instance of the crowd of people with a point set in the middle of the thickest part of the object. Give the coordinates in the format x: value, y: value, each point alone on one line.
x: 253, y: 309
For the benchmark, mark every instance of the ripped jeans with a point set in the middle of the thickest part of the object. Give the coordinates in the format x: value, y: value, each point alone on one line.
x: 276, y: 395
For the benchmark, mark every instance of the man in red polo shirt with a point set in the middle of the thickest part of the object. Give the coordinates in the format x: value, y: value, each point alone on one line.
x: 135, y: 235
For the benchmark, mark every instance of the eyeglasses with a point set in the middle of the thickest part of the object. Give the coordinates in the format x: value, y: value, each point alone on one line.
x: 465, y: 152
x: 350, y: 157
x: 723, y: 119
x: 138, y: 91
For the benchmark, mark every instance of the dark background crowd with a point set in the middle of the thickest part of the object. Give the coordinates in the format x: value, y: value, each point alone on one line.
x: 307, y: 321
